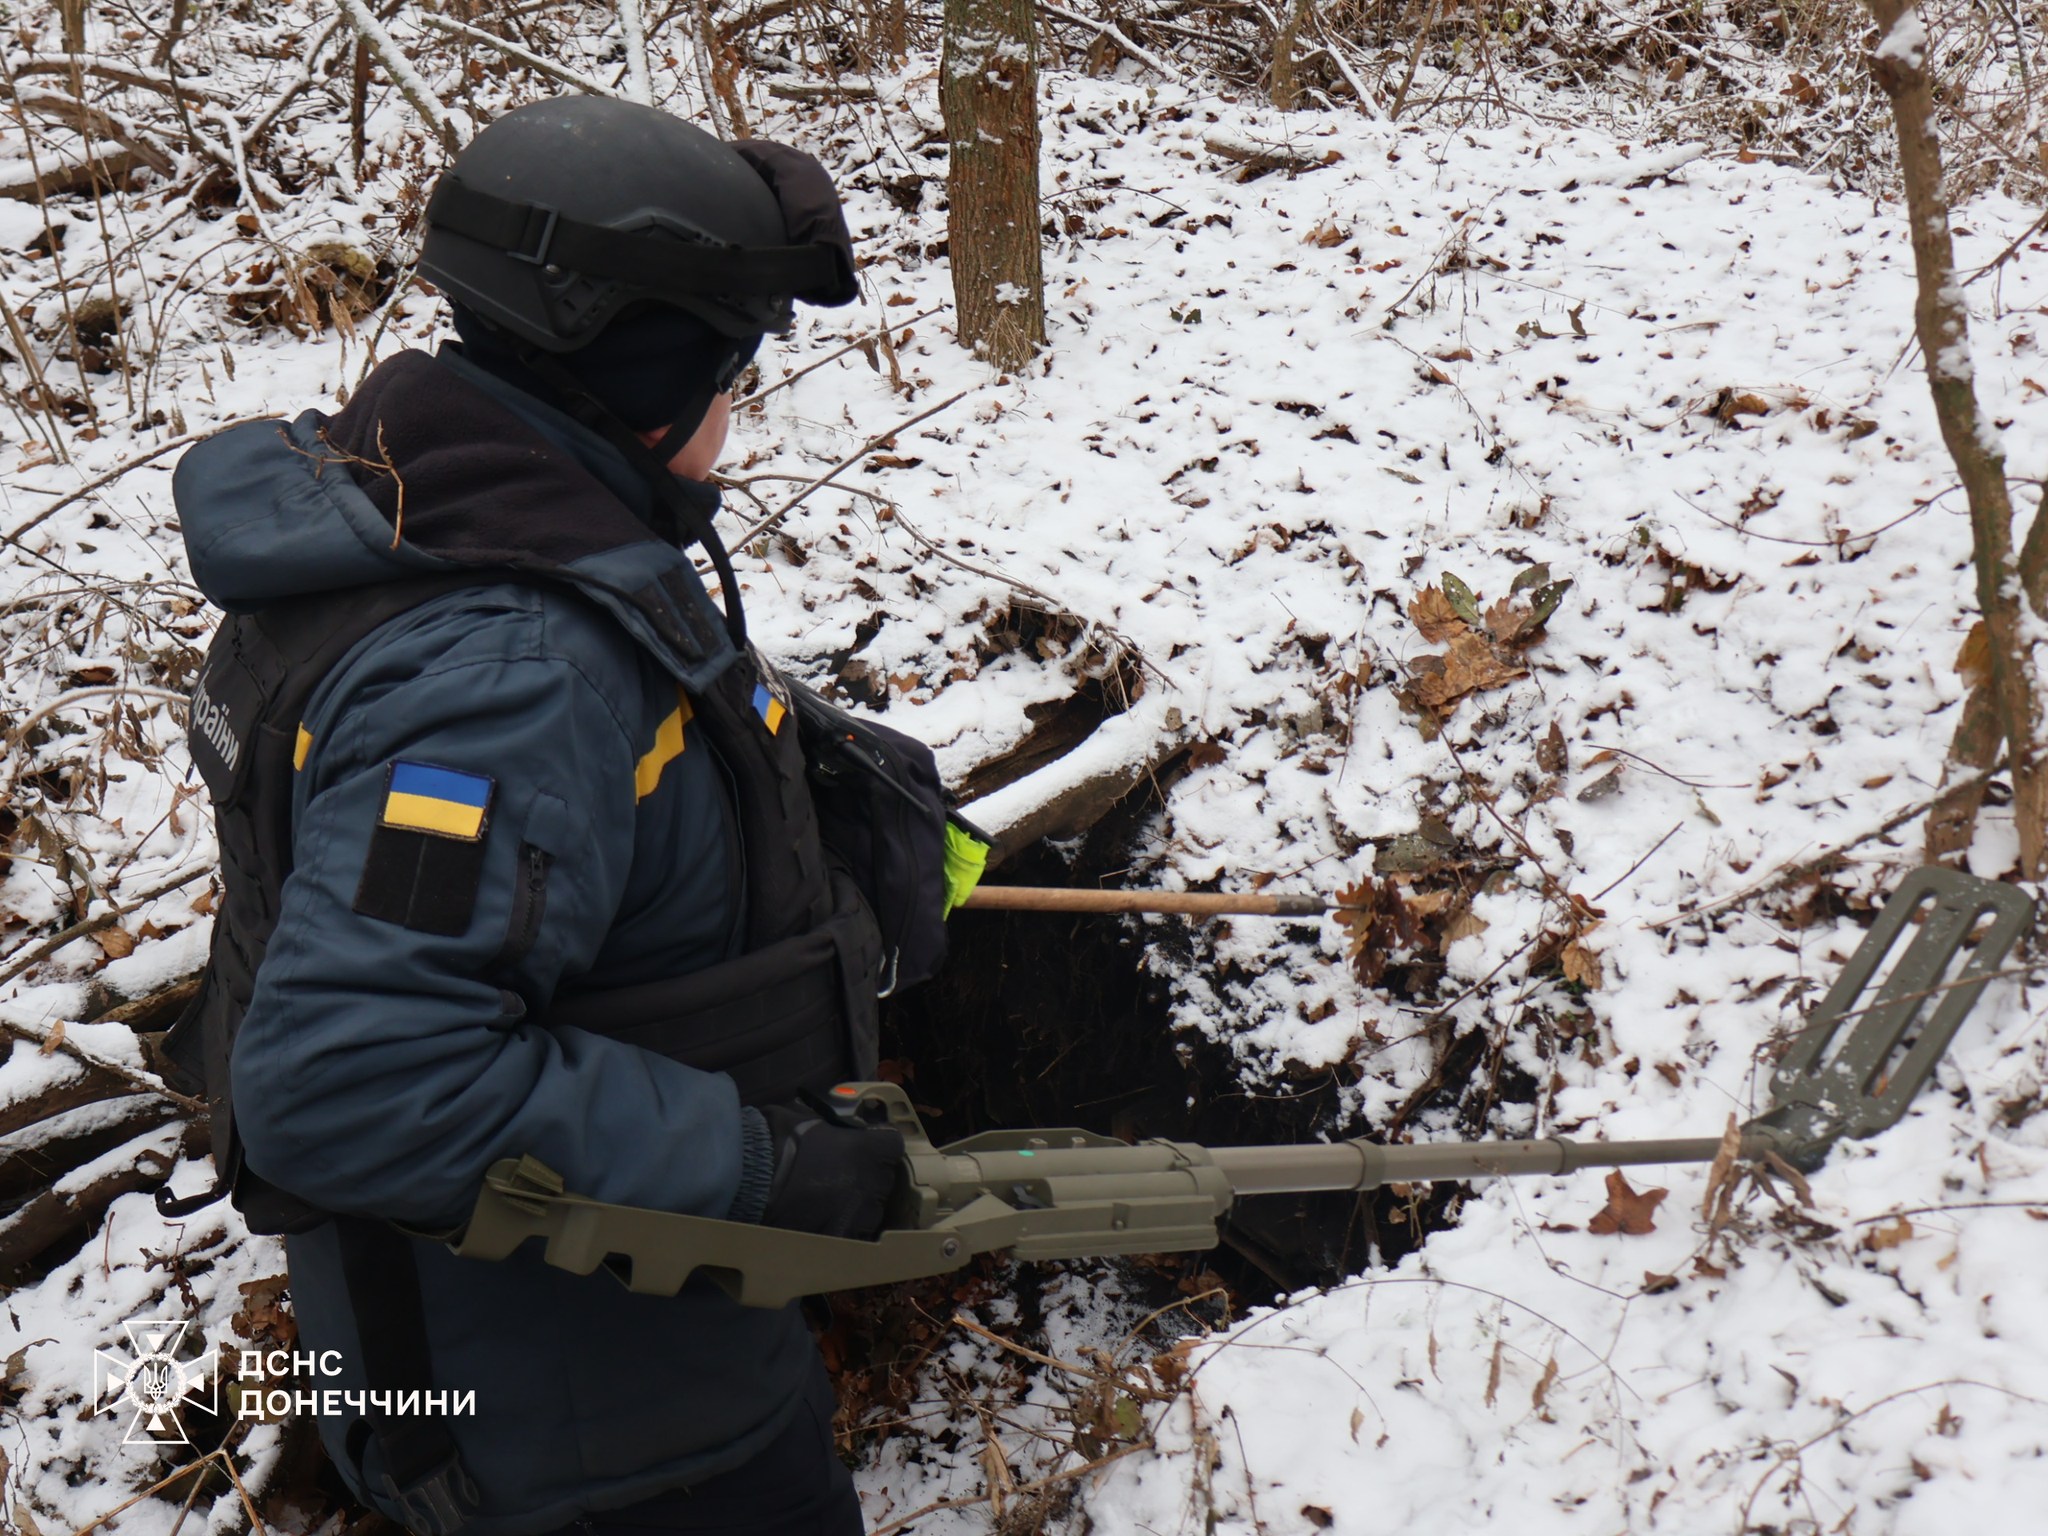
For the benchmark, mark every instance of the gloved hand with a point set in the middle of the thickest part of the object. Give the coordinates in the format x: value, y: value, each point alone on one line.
x: 830, y: 1177
x: 966, y: 858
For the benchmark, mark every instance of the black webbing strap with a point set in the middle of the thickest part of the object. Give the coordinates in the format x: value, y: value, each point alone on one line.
x: 535, y: 233
x: 422, y: 1471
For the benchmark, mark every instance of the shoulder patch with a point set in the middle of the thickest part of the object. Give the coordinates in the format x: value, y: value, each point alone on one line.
x: 426, y: 859
x: 443, y: 801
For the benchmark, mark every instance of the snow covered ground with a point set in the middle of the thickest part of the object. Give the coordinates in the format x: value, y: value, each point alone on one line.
x: 1273, y: 414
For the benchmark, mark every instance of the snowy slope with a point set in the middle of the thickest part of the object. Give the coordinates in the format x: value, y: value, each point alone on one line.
x: 1273, y: 413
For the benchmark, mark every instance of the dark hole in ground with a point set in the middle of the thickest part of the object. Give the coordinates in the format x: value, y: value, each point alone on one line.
x: 1051, y: 1020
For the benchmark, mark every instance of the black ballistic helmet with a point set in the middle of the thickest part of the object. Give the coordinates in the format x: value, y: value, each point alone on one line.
x: 561, y: 214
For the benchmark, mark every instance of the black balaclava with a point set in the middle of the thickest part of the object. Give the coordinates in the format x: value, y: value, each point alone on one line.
x: 656, y: 367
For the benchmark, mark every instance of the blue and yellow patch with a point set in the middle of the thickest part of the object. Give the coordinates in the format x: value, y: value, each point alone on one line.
x: 768, y: 707
x: 448, y: 803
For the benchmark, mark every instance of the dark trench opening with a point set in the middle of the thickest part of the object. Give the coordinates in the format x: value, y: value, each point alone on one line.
x: 1051, y: 1020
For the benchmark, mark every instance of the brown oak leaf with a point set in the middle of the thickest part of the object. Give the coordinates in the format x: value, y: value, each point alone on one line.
x: 1580, y: 965
x: 1380, y: 922
x: 1504, y: 619
x: 1470, y: 664
x: 1628, y: 1210
x: 1435, y: 617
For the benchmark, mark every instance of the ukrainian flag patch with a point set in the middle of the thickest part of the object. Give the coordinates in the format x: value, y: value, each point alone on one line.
x: 443, y: 801
x: 769, y: 708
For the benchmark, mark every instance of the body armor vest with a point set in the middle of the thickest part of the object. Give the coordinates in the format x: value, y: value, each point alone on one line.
x: 795, y: 1010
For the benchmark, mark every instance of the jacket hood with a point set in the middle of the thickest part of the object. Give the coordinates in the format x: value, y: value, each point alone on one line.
x: 424, y: 473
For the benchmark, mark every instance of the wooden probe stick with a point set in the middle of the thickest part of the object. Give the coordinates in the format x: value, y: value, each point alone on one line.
x: 1035, y: 898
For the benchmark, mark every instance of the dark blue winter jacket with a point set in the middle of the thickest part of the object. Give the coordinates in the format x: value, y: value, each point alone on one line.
x: 381, y: 1069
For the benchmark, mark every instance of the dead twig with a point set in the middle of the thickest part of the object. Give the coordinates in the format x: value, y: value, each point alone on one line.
x: 403, y: 75
x: 575, y: 79
x: 99, y: 481
x: 1110, y: 32
x: 1822, y: 863
x: 854, y: 345
x: 866, y: 448
x: 37, y: 953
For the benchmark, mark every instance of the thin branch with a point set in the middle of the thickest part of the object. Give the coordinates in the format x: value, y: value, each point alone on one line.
x: 120, y: 73
x: 117, y: 472
x: 866, y: 448
x: 98, y: 122
x: 1111, y: 32
x: 292, y: 90
x: 78, y: 696
x: 38, y: 953
x: 854, y: 345
x: 1821, y: 863
x: 633, y: 33
x: 403, y: 75
x: 576, y: 80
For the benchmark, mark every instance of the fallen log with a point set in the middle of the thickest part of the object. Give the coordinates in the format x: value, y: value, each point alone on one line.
x: 75, y: 1205
x: 83, y: 1086
x: 1258, y: 156
x: 109, y: 166
x: 821, y: 90
x: 1072, y: 793
x: 41, y: 1153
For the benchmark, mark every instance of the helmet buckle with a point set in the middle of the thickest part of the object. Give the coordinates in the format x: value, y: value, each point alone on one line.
x: 537, y: 256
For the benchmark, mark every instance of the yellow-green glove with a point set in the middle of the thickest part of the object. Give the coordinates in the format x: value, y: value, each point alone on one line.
x: 966, y: 858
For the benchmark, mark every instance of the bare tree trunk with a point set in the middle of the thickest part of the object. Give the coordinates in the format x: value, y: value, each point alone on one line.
x: 714, y: 55
x: 1286, y: 88
x: 891, y: 30
x: 358, y: 105
x: 172, y: 32
x: 1941, y: 320
x: 71, y: 14
x: 633, y: 36
x: 989, y: 93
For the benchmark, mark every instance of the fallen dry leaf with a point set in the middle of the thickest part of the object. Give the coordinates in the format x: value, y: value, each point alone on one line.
x: 117, y: 943
x: 1629, y: 1211
x: 1974, y: 660
x: 1435, y: 617
x: 1877, y: 1239
x: 1470, y: 664
x: 1463, y: 926
x: 1717, y: 1206
x: 1580, y: 965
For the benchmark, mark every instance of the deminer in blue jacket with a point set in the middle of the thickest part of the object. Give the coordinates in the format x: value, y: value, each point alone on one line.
x: 519, y: 856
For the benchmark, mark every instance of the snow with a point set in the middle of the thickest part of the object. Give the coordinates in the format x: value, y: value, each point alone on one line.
x: 1443, y: 351
x: 1906, y: 39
